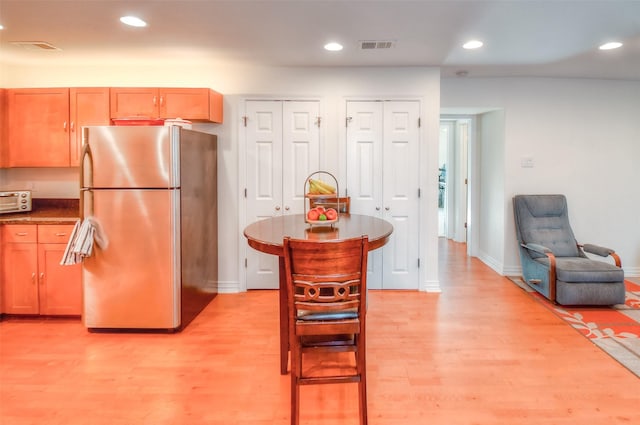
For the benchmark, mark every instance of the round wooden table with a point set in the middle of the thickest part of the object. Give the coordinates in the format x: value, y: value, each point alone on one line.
x: 267, y: 235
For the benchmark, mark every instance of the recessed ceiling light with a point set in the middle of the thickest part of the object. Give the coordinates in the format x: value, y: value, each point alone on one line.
x: 610, y: 45
x: 333, y: 47
x: 472, y: 44
x: 133, y: 21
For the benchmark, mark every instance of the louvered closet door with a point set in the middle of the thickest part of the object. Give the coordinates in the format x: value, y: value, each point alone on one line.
x: 282, y: 149
x: 383, y: 181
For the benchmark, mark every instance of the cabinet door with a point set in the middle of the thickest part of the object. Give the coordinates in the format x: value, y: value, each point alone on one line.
x: 186, y: 103
x: 87, y: 106
x: 20, y: 282
x: 3, y: 129
x: 38, y: 122
x: 129, y: 102
x: 60, y: 291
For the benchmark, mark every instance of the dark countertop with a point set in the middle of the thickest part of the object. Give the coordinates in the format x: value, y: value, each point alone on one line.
x: 46, y: 211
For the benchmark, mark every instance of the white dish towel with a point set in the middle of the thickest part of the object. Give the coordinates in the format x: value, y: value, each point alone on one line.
x: 80, y: 245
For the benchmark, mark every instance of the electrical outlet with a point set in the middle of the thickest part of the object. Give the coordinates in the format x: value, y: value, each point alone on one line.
x: 527, y: 162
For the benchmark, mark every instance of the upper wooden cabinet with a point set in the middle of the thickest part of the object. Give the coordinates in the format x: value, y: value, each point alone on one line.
x: 43, y: 124
x: 87, y: 106
x: 3, y: 128
x: 38, y: 127
x: 42, y: 127
x: 196, y: 104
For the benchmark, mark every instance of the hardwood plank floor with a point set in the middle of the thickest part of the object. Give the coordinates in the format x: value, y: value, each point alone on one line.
x: 482, y: 352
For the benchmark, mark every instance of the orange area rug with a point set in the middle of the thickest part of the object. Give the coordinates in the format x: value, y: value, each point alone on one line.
x: 615, y: 329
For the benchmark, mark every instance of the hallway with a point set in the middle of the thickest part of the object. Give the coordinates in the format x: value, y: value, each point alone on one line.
x: 482, y: 352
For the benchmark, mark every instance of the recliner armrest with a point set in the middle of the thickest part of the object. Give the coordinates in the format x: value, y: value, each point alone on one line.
x: 602, y: 252
x: 537, y: 248
x: 598, y: 250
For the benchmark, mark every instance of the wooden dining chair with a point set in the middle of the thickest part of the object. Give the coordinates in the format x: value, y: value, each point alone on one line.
x: 326, y: 290
x: 341, y: 204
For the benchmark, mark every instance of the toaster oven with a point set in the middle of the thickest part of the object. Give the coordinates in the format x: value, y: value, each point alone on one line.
x: 15, y: 201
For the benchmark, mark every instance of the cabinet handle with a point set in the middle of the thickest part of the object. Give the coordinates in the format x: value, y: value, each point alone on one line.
x: 387, y: 208
x: 377, y: 208
x: 72, y: 126
x: 277, y: 207
x: 64, y: 126
x: 154, y: 101
x: 41, y: 278
x: 61, y: 234
x: 21, y: 233
x: 33, y: 278
x: 286, y: 208
x: 161, y: 100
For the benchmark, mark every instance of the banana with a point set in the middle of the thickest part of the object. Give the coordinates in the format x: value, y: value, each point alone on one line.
x: 313, y: 189
x: 322, y: 187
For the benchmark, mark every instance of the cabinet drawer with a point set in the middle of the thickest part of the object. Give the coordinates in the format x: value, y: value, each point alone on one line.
x: 16, y: 233
x: 54, y: 233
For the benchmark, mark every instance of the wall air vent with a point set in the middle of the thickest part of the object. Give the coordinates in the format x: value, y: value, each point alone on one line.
x: 35, y: 45
x: 373, y: 44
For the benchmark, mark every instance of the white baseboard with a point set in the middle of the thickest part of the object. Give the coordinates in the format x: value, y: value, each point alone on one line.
x: 431, y: 286
x: 231, y: 287
x: 491, y: 262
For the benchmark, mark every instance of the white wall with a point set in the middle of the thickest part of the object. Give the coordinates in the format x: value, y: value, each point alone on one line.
x: 491, y: 170
x: 584, y: 138
x: 333, y: 86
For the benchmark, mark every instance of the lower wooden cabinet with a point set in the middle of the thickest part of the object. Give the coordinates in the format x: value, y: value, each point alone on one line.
x: 33, y: 281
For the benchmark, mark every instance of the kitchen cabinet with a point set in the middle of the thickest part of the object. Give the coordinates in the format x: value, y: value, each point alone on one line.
x: 3, y: 128
x: 87, y: 106
x: 33, y: 280
x: 44, y: 124
x: 38, y: 127
x: 195, y: 104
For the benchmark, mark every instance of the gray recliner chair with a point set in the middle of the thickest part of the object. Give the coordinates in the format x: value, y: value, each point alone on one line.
x: 554, y: 264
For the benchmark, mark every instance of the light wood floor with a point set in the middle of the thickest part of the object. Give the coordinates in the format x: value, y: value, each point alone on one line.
x: 480, y: 352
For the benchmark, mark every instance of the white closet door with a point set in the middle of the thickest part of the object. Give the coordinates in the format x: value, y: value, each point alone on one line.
x: 264, y: 183
x: 264, y: 159
x: 400, y: 194
x: 383, y: 180
x: 301, y: 151
x: 364, y: 171
x: 282, y: 149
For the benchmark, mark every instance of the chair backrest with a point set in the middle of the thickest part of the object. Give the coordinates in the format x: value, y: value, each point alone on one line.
x: 341, y: 204
x: 544, y: 220
x: 326, y: 279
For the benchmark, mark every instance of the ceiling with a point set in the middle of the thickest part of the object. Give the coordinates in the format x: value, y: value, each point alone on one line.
x: 553, y: 38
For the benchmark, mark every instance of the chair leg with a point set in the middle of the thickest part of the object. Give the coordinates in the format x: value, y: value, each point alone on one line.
x: 295, y: 388
x: 362, y: 385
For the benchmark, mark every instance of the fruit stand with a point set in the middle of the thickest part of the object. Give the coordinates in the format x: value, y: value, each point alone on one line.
x: 320, y: 185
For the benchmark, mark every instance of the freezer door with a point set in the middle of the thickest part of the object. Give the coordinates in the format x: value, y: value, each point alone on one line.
x: 130, y: 157
x: 133, y: 281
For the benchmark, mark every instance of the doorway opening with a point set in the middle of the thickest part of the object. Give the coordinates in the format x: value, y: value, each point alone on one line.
x: 453, y: 177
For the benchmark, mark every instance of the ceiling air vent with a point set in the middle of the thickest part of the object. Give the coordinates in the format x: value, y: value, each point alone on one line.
x: 369, y: 45
x: 35, y: 45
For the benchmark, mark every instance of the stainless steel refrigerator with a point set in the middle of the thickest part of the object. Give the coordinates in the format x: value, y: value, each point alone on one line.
x: 150, y: 194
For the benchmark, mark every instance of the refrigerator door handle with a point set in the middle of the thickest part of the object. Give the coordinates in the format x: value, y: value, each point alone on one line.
x: 84, y: 186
